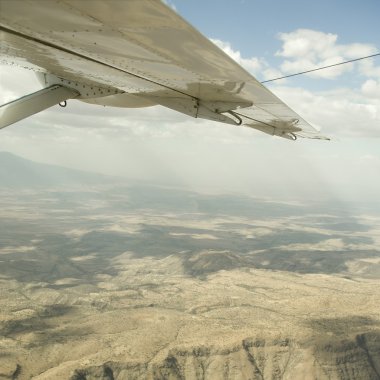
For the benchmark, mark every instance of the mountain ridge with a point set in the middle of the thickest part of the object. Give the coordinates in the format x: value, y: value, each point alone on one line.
x: 19, y: 172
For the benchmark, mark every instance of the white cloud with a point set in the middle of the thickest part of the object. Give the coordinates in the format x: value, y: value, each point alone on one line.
x: 370, y: 160
x: 305, y: 64
x: 341, y: 112
x: 170, y: 4
x: 371, y: 89
x: 304, y: 42
x: 258, y: 67
x: 368, y: 68
x: 254, y: 65
x: 306, y: 49
x: 16, y: 82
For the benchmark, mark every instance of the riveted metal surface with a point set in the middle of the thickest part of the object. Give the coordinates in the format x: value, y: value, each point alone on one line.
x: 85, y: 91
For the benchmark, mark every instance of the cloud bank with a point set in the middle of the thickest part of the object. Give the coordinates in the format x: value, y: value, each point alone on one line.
x: 305, y: 49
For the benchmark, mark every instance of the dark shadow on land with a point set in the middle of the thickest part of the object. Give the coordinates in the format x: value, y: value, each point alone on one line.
x: 327, y: 262
x: 354, y: 348
x: 349, y: 340
x: 201, y: 264
x: 52, y: 258
x: 46, y: 215
x: 44, y: 325
x: 346, y: 326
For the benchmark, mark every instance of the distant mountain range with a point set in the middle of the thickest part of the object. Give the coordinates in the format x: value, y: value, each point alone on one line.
x: 18, y: 172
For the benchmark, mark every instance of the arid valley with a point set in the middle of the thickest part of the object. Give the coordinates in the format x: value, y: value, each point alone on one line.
x: 140, y: 282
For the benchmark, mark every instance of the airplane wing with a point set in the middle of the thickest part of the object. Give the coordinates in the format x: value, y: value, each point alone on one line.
x: 133, y: 53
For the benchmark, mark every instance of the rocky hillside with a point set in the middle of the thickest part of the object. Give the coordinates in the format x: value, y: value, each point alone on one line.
x: 254, y: 359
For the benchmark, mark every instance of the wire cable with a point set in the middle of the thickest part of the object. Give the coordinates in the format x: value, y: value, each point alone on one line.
x: 321, y: 68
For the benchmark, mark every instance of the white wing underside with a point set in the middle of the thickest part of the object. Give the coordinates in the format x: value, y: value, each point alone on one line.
x: 112, y: 50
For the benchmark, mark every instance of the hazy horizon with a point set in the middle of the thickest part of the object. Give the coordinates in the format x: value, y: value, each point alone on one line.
x: 157, y: 144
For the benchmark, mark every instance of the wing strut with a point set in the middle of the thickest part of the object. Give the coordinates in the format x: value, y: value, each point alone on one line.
x: 37, y: 101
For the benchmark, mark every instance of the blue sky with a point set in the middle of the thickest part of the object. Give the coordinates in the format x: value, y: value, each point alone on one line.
x: 269, y: 38
x: 253, y: 27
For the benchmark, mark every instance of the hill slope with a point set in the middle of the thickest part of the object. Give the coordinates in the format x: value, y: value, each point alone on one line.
x: 18, y: 172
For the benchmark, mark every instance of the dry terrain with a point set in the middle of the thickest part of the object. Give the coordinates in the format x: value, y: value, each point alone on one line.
x: 139, y: 283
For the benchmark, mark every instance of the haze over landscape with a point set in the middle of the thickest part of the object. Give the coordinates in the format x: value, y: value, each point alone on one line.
x: 143, y: 244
